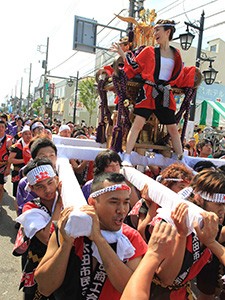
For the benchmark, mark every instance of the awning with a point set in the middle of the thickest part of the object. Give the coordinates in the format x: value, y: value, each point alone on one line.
x: 210, y: 113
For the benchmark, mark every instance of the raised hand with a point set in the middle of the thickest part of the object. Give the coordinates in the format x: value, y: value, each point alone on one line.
x: 62, y: 223
x: 179, y: 216
x: 115, y: 47
x: 162, y: 240
x: 95, y: 232
x: 208, y: 232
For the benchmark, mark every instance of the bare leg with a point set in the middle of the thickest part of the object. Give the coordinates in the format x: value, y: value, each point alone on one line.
x: 175, y: 138
x: 137, y: 125
x: 108, y: 133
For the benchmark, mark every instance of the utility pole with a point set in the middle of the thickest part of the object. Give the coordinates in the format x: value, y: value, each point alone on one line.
x: 45, y: 65
x: 21, y: 95
x: 29, y: 85
x: 75, y: 98
x: 131, y: 14
x: 200, y: 28
x: 134, y: 8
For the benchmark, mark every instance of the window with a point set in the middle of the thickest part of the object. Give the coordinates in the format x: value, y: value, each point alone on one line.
x: 213, y: 48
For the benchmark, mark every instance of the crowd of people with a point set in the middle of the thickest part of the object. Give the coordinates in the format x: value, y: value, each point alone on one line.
x: 133, y: 250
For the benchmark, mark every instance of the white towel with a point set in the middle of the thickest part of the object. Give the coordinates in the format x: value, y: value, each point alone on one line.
x: 124, y: 247
x: 33, y: 220
x: 80, y: 224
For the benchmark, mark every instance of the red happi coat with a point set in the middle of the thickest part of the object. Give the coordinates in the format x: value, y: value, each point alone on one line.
x: 195, y: 258
x: 71, y: 287
x: 4, y: 153
x: 148, y: 63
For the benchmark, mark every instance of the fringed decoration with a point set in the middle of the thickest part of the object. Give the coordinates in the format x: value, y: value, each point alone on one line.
x: 184, y: 109
x: 117, y: 137
x: 190, y: 93
x: 123, y: 112
x: 100, y: 134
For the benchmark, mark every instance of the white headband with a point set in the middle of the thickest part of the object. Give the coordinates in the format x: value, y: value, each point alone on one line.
x: 111, y: 188
x: 217, y: 198
x: 160, y: 179
x: 37, y: 124
x: 40, y: 173
x: 186, y: 192
x: 166, y: 24
x: 173, y: 179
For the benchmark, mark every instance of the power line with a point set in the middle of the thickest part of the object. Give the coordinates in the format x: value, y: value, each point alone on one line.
x: 69, y: 11
x: 172, y: 7
x: 77, y: 51
x: 64, y: 61
x: 215, y: 25
x: 193, y: 9
x: 167, y: 6
x: 220, y: 12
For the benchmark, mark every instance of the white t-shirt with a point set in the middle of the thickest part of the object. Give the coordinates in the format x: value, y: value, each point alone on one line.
x: 167, y: 65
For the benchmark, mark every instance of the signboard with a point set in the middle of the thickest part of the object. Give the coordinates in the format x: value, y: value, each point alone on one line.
x: 211, y: 92
x: 84, y: 34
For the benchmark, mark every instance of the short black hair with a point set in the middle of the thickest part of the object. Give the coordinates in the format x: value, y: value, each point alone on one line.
x: 202, y: 165
x: 202, y: 143
x: 35, y: 163
x: 48, y: 128
x: 103, y: 159
x: 78, y: 133
x: 19, y: 118
x: 99, y: 179
x: 41, y: 143
x: 4, y: 116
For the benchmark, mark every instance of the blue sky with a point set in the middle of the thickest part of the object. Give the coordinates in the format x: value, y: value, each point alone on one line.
x: 26, y: 24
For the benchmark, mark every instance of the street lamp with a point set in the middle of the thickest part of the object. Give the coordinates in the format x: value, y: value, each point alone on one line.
x: 186, y: 41
x: 210, y: 74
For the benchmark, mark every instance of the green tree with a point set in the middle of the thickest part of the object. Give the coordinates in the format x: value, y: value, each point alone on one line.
x: 24, y: 108
x: 88, y: 95
x: 37, y: 106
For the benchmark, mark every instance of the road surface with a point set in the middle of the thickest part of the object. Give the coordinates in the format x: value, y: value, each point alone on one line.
x: 10, y: 269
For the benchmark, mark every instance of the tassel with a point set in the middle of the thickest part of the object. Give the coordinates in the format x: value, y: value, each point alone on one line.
x: 117, y: 137
x: 100, y: 134
x: 184, y: 110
